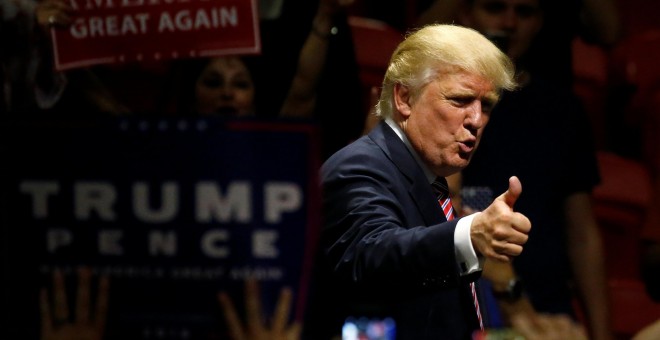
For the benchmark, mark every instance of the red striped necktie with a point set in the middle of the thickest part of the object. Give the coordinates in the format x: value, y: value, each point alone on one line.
x: 444, y: 199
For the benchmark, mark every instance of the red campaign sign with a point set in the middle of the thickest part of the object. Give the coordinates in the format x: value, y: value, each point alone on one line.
x: 115, y: 31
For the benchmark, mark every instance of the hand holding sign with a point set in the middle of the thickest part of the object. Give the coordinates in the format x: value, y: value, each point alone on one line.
x: 499, y: 232
x: 88, y: 324
x: 106, y: 32
x: 53, y: 12
x: 254, y: 328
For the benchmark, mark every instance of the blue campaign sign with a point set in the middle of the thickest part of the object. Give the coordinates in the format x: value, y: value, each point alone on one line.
x: 171, y: 211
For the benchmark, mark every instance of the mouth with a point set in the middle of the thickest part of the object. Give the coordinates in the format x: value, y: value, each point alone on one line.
x: 466, y: 147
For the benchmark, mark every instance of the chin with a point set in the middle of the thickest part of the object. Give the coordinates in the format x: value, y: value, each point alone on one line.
x: 465, y: 157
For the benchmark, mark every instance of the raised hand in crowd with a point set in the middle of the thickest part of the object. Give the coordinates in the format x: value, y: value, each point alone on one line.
x: 520, y: 316
x: 541, y: 326
x: 301, y: 98
x: 649, y: 332
x: 53, y: 13
x: 255, y: 327
x: 58, y: 322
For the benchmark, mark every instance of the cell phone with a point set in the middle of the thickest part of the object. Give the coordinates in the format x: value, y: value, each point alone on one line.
x: 364, y: 328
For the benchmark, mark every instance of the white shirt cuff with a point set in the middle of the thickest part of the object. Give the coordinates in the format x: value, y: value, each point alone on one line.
x: 467, y: 258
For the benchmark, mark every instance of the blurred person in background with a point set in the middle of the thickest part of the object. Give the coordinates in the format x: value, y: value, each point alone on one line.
x: 547, y: 137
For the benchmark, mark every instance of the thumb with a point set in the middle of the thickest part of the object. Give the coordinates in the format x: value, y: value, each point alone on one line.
x: 511, y: 195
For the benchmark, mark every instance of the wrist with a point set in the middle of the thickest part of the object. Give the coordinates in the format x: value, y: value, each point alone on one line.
x: 322, y: 27
x: 511, y: 290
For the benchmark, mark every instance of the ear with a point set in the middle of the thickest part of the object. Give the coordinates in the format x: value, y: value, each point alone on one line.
x: 402, y: 99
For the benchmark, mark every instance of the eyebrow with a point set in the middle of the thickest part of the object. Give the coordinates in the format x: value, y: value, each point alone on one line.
x: 492, y: 97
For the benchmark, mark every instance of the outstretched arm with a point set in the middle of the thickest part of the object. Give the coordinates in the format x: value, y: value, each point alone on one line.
x: 301, y: 98
x: 586, y: 257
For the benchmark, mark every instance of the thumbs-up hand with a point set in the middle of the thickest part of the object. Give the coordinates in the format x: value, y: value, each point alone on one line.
x: 499, y: 232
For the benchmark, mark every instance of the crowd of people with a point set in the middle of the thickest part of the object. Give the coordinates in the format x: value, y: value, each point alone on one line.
x: 478, y: 97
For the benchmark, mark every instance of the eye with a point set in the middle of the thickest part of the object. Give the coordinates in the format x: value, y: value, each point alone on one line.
x: 211, y: 81
x: 461, y: 101
x: 526, y: 11
x: 242, y: 84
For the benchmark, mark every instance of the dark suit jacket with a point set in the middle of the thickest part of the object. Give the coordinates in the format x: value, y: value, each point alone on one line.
x: 386, y: 249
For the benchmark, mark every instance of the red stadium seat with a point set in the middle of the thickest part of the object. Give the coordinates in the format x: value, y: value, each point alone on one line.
x: 620, y: 203
x: 638, y: 15
x: 631, y: 307
x: 590, y: 69
x: 374, y: 42
x: 634, y: 63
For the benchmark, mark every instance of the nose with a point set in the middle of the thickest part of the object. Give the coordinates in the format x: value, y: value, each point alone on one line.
x: 475, y: 118
x: 510, y: 18
x: 226, y: 92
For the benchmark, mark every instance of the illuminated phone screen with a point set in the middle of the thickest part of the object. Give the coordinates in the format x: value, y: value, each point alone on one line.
x: 368, y: 329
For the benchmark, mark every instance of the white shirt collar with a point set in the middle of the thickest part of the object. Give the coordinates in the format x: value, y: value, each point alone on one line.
x: 430, y: 176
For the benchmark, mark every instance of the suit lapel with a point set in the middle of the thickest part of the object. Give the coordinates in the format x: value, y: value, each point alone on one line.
x: 419, y: 189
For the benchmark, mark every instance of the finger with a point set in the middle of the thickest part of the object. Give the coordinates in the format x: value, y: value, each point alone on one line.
x: 569, y: 328
x: 580, y: 333
x: 510, y: 249
x: 513, y: 192
x: 231, y: 317
x: 523, y: 324
x: 294, y: 331
x: 46, y: 320
x: 518, y: 238
x: 521, y: 223
x: 61, y: 308
x: 497, y: 256
x: 56, y: 14
x: 564, y: 326
x: 281, y: 317
x: 82, y: 299
x: 253, y: 305
x: 102, y: 303
x: 547, y: 326
x: 59, y: 19
x: 62, y: 19
x: 61, y: 5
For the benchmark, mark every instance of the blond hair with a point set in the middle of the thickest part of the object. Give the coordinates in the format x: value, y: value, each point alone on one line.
x: 436, y: 48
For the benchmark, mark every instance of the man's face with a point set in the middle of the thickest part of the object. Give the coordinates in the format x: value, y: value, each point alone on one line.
x: 445, y: 122
x: 511, y: 24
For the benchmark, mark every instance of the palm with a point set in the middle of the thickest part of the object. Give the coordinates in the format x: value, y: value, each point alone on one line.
x: 73, y: 332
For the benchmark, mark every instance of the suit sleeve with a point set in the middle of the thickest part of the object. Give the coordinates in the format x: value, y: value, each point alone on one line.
x: 374, y: 231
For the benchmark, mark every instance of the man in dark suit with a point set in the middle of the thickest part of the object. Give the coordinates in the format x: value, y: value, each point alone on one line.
x: 387, y: 248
